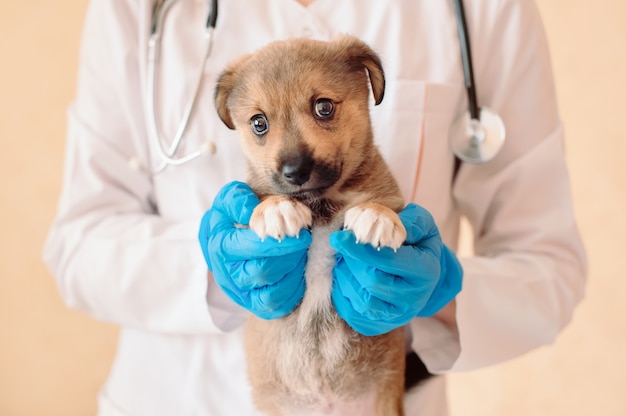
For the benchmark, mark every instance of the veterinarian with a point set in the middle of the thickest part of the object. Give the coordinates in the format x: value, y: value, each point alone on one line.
x: 124, y: 244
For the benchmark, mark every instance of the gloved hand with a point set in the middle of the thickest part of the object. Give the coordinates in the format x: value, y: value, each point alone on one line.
x: 265, y: 277
x: 378, y: 291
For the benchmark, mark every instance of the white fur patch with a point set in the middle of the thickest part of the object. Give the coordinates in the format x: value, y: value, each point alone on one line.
x: 318, y: 274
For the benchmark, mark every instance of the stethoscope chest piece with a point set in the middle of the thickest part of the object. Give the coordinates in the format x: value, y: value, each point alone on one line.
x: 477, y: 140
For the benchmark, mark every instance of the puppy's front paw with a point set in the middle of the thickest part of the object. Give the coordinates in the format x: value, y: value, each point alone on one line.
x: 375, y: 224
x: 279, y: 216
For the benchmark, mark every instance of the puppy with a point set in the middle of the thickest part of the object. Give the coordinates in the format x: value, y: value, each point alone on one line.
x: 302, y: 110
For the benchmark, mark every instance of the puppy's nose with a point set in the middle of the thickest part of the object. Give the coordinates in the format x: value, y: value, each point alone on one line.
x: 297, y: 170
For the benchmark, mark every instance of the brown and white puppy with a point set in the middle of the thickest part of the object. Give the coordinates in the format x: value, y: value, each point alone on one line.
x: 302, y: 110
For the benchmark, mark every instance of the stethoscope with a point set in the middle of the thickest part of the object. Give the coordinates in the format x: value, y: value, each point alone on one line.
x: 168, y: 156
x: 476, y: 136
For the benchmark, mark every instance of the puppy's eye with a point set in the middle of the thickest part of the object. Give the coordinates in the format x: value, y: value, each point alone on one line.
x: 324, y: 108
x: 259, y: 124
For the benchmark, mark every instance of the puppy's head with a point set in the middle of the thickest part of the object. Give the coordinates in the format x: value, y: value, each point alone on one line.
x: 302, y: 110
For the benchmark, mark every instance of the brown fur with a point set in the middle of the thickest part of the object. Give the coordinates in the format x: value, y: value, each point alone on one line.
x: 311, y: 358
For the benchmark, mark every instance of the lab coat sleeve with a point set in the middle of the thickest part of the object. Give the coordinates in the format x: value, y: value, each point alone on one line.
x: 111, y: 252
x: 528, y: 273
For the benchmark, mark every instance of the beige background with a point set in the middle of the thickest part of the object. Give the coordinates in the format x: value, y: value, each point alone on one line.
x: 53, y: 360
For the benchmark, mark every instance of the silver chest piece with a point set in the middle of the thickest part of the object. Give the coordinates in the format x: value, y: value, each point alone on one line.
x: 477, y: 141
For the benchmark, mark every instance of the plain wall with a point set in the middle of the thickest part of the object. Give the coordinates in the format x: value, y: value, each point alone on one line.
x: 53, y: 360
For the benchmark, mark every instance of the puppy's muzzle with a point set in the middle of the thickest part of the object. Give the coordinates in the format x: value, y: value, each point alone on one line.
x: 296, y: 169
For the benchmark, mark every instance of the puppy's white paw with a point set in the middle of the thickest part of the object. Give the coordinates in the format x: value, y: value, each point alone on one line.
x: 375, y: 224
x: 279, y: 216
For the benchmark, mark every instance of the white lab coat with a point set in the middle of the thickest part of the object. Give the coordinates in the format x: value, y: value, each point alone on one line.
x: 123, y: 246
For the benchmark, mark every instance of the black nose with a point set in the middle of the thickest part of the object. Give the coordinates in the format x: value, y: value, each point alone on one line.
x: 297, y: 169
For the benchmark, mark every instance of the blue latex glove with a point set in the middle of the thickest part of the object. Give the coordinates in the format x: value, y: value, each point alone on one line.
x: 378, y: 291
x: 265, y: 277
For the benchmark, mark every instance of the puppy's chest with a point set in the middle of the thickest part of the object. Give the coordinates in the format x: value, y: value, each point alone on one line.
x: 316, y: 312
x: 321, y: 339
x: 328, y: 217
x: 320, y: 248
x: 319, y: 270
x: 326, y: 212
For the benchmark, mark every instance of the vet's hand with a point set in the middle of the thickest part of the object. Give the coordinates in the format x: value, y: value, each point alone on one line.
x: 378, y: 291
x: 266, y: 278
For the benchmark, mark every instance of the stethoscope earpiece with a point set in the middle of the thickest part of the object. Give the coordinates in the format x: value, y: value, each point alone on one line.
x: 477, y: 140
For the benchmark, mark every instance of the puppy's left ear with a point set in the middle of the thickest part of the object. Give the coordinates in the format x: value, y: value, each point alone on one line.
x: 225, y: 85
x: 361, y: 55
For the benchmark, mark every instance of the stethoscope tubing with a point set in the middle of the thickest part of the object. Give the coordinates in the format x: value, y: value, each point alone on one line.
x: 167, y: 156
x: 466, y: 57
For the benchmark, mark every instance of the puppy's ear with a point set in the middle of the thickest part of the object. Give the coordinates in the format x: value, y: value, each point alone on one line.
x: 225, y: 84
x: 361, y: 55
